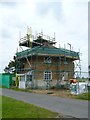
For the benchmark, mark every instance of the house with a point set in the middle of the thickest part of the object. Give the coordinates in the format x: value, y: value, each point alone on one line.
x: 89, y: 72
x: 44, y: 64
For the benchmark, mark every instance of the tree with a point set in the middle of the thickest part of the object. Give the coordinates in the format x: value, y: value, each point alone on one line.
x: 11, y: 68
x: 6, y: 69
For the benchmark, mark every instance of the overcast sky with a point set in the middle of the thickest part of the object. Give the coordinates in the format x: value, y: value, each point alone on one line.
x: 67, y: 18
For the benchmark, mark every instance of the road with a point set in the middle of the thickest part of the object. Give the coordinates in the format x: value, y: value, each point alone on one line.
x: 70, y: 107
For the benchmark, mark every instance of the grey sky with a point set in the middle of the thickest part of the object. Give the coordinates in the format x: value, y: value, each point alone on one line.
x: 44, y: 7
x: 8, y: 4
x: 67, y: 18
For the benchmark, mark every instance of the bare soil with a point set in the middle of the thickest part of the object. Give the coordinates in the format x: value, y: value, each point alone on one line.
x: 56, y: 92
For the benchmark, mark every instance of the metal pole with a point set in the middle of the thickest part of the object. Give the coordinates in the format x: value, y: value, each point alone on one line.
x: 69, y: 45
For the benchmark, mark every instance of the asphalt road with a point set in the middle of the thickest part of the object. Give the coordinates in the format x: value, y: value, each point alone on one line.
x: 70, y: 107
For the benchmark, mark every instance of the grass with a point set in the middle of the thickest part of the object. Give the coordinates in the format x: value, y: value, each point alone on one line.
x: 67, y: 94
x: 82, y: 80
x: 84, y: 96
x: 12, y: 108
x: 22, y: 90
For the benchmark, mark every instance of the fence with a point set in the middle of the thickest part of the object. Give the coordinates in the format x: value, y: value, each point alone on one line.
x: 6, y: 80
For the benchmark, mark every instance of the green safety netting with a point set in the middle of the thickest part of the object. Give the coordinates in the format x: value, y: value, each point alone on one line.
x: 49, y: 51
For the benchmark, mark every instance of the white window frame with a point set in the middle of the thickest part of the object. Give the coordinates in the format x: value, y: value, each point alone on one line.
x: 47, y: 75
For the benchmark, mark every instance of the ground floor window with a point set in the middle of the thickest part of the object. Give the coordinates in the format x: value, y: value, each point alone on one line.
x: 47, y: 75
x: 65, y: 76
x: 29, y: 77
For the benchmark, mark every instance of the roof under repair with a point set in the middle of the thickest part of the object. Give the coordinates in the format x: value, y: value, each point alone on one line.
x: 43, y: 45
x: 42, y: 51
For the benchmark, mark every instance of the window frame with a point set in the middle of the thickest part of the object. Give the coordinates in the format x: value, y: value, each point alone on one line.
x: 47, y: 59
x: 47, y: 75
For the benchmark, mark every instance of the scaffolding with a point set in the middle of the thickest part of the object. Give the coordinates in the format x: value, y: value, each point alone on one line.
x: 45, y: 60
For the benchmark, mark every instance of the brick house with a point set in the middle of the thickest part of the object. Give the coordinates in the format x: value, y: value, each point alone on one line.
x: 44, y: 63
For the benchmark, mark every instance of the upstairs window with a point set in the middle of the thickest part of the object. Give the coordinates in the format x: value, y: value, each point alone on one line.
x: 47, y: 75
x: 65, y: 61
x: 47, y: 59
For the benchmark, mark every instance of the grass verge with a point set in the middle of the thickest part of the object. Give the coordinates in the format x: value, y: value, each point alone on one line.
x: 12, y: 108
x: 22, y: 90
x: 84, y: 96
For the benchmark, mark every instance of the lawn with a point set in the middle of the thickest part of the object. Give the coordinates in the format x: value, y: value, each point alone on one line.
x: 12, y: 108
x: 84, y: 96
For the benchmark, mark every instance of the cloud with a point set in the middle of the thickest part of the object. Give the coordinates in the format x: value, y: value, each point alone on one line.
x: 67, y: 19
x: 8, y: 4
x: 75, y: 14
x: 44, y: 7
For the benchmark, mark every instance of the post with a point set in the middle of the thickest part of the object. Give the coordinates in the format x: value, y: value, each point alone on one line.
x: 69, y: 45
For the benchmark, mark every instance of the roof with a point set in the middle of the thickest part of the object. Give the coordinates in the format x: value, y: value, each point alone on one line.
x: 43, y: 51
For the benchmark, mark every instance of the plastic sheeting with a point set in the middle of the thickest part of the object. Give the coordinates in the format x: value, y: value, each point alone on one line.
x: 79, y: 88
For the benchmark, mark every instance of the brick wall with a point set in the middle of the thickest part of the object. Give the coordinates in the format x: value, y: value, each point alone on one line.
x: 39, y: 66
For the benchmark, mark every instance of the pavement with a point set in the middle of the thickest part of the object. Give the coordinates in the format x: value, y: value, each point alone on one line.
x: 68, y: 107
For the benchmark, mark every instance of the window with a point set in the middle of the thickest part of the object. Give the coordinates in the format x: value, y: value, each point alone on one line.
x: 47, y: 75
x: 29, y: 77
x: 47, y: 59
x: 22, y: 78
x: 65, y: 61
x: 65, y: 76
